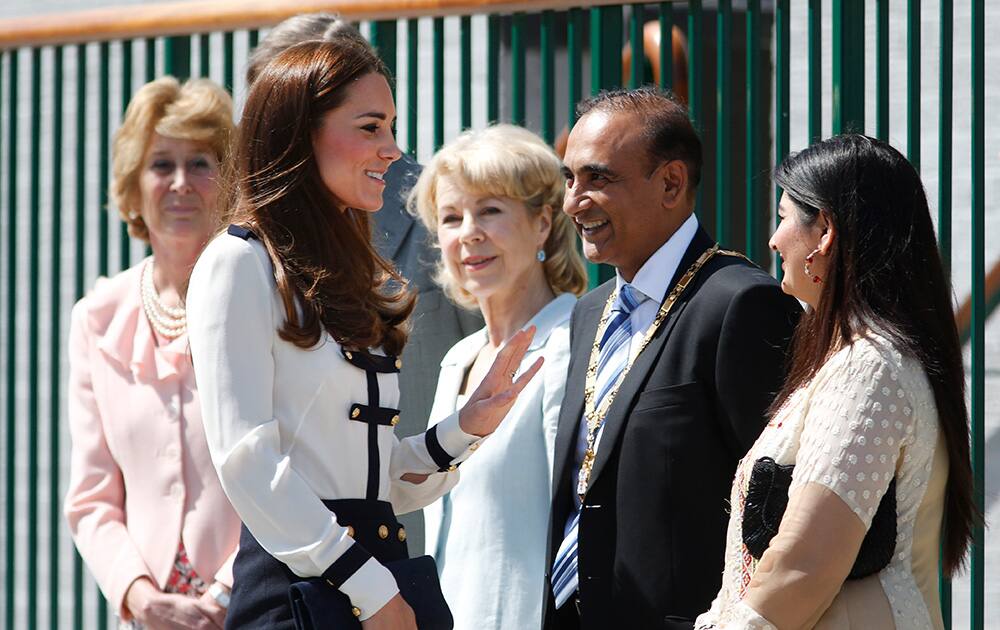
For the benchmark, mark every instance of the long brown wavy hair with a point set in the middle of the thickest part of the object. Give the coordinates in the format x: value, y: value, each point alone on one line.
x: 326, y: 268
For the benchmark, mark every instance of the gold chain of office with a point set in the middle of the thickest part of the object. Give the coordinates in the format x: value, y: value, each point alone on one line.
x: 595, y: 416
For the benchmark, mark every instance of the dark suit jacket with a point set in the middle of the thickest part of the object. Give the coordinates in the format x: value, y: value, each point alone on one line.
x: 437, y: 323
x: 653, y: 525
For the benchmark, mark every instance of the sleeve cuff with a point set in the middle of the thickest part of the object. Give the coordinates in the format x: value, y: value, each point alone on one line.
x: 448, y: 444
x: 744, y: 617
x: 225, y: 573
x: 127, y: 569
x: 370, y: 587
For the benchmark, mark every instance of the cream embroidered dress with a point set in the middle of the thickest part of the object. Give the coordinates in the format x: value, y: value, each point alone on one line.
x: 867, y: 416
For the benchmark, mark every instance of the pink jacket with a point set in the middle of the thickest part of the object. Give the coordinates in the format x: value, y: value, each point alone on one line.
x: 141, y: 477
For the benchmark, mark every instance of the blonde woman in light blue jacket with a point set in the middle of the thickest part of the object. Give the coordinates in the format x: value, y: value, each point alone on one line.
x: 492, y: 199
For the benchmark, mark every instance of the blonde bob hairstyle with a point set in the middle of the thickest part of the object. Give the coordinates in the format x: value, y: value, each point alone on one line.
x: 197, y: 110
x: 504, y: 161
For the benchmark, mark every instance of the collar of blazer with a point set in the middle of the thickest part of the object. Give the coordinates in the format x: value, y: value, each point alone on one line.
x: 617, y: 415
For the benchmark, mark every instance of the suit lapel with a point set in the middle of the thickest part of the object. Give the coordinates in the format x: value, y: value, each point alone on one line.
x: 572, y: 408
x: 618, y: 414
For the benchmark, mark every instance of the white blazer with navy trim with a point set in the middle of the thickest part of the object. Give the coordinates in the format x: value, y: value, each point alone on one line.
x: 278, y: 423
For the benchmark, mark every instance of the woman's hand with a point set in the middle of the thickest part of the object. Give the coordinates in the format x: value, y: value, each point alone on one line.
x: 165, y: 611
x: 211, y: 608
x: 498, y: 390
x: 395, y: 615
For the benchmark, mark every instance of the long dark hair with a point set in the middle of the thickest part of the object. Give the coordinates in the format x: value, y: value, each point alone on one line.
x: 327, y: 271
x: 884, y: 274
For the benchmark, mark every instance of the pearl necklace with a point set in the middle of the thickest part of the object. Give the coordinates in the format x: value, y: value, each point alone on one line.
x: 169, y: 321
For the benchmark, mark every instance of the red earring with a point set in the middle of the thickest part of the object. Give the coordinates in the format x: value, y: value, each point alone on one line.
x: 808, y: 270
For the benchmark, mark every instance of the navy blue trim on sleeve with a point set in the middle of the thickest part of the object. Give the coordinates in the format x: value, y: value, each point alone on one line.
x: 437, y: 452
x: 240, y: 232
x: 346, y: 565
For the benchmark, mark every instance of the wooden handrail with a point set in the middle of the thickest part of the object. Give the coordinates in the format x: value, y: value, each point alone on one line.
x: 182, y: 18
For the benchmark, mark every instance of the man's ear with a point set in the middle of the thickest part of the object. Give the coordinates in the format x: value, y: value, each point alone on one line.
x: 674, y: 175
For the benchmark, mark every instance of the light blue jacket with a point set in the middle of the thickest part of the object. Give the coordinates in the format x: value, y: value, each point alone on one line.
x: 488, y: 534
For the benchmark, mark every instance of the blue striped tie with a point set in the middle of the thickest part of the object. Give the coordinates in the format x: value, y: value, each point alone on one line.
x: 611, y: 361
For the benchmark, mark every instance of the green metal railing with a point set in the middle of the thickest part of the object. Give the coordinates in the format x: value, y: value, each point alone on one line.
x: 536, y: 62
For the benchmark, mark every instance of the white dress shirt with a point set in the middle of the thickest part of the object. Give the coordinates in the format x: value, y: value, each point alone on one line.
x: 277, y: 421
x: 652, y: 280
x: 488, y: 534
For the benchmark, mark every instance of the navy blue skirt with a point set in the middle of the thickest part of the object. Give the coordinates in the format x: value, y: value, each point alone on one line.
x: 260, y: 582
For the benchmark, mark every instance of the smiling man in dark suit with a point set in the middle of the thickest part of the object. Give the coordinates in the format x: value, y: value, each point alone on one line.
x: 674, y: 362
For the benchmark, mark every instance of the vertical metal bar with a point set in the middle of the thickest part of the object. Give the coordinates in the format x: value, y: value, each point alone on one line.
x: 517, y: 68
x: 11, y: 371
x: 205, y: 55
x: 606, y: 73
x: 103, y: 141
x: 465, y: 35
x: 944, y: 203
x: 548, y: 56
x: 228, y: 76
x: 8, y: 497
x: 667, y: 45
x: 913, y: 82
x: 815, y: 70
x: 384, y: 39
x: 597, y: 51
x: 638, y: 65
x: 848, y: 66
x: 80, y: 228
x: 752, y: 129
x: 80, y: 239
x: 782, y: 56
x: 55, y: 327
x: 977, y: 328
x: 124, y: 242
x: 412, y: 65
x: 605, y: 46
x: 944, y: 136
x: 492, y: 68
x: 723, y: 142
x: 149, y: 59
x: 103, y: 134
x: 34, y: 241
x: 694, y: 19
x: 882, y: 69
x: 177, y: 56
x: 574, y: 59
x: 438, y: 82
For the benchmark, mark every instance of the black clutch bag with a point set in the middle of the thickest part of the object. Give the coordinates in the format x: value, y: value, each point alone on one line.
x: 767, y: 498
x: 318, y: 606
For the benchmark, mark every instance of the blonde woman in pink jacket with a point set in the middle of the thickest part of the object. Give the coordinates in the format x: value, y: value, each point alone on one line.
x: 144, y: 504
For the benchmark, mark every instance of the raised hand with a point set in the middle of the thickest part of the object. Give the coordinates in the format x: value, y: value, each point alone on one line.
x: 498, y: 390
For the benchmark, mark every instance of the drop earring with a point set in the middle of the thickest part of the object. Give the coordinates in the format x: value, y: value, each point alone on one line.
x: 809, y: 260
x: 540, y: 255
